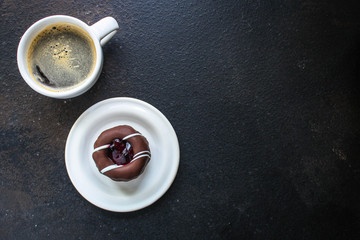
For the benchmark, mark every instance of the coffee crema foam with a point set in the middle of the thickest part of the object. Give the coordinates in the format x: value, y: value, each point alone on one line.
x: 61, y: 57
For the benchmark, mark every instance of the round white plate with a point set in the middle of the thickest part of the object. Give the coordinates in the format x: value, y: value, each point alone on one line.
x: 101, y: 190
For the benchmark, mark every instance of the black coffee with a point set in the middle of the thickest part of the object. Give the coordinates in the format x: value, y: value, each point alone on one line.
x: 61, y: 57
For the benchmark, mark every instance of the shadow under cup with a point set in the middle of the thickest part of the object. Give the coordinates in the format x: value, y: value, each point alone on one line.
x: 60, y: 57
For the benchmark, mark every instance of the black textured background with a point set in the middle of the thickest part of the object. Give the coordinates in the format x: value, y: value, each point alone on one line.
x: 263, y: 95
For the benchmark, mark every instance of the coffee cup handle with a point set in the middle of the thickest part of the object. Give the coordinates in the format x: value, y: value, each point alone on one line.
x: 105, y: 29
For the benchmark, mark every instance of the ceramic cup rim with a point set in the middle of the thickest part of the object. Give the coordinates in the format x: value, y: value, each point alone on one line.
x: 29, y: 36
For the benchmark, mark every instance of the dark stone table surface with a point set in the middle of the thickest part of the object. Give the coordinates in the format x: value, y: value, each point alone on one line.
x: 263, y: 96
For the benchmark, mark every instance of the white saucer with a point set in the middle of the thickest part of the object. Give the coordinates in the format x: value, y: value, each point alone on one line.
x: 101, y: 190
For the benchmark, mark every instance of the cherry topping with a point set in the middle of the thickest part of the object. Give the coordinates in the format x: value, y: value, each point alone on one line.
x: 120, y: 152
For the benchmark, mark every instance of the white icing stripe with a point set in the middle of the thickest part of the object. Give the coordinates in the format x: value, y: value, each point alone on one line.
x: 101, y: 147
x: 111, y: 167
x: 131, y: 135
x: 125, y: 138
x: 144, y: 155
x: 141, y: 153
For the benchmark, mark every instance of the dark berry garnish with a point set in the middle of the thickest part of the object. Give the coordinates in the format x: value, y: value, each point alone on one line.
x: 120, y: 152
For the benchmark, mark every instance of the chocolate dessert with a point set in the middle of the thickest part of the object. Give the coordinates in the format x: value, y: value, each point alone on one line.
x: 121, y: 153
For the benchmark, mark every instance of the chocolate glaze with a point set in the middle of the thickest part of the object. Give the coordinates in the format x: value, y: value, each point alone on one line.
x: 129, y: 171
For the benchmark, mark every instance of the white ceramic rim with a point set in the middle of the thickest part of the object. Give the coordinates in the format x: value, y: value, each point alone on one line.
x: 31, y: 33
x: 156, y: 179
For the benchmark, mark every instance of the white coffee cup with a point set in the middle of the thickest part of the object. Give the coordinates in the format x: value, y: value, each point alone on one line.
x: 100, y: 32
